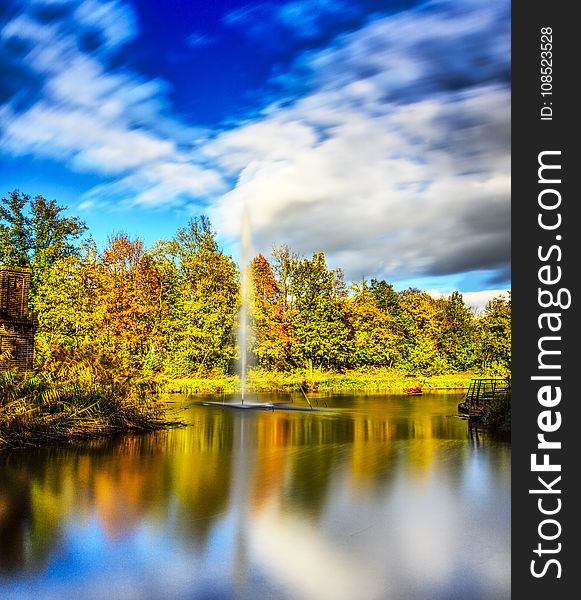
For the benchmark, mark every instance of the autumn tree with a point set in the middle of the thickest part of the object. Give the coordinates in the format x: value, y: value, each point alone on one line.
x: 419, y: 324
x: 130, y: 293
x: 108, y: 304
x: 374, y: 339
x: 273, y: 339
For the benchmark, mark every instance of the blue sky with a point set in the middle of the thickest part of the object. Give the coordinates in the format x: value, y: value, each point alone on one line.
x: 378, y: 132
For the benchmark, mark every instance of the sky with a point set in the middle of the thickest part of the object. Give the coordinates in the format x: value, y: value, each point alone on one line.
x: 377, y: 132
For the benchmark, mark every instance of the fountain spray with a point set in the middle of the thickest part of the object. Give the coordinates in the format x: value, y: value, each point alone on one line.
x: 246, y: 298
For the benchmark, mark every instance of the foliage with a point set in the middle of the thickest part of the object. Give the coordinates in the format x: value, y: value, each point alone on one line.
x: 171, y: 311
x: 319, y: 328
x: 493, y: 338
x: 497, y: 412
x: 200, y: 289
x: 271, y: 316
x: 372, y: 325
x: 80, y: 398
x: 457, y: 332
x: 34, y: 233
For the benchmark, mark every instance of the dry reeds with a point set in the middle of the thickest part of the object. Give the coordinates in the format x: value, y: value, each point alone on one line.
x: 78, y: 399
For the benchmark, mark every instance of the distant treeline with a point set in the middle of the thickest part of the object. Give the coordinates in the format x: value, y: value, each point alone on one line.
x: 173, y: 309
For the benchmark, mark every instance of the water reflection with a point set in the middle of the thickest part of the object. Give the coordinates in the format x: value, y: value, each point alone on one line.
x: 382, y: 497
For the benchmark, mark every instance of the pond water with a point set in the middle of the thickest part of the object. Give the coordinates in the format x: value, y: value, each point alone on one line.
x: 377, y: 497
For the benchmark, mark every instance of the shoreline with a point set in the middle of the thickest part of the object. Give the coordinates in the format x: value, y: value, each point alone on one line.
x: 380, y: 381
x: 31, y: 424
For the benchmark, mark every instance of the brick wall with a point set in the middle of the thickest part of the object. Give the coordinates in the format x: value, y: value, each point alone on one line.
x: 17, y: 326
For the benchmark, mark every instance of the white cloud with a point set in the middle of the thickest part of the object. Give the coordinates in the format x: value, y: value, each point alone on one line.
x: 163, y: 184
x: 394, y: 159
x: 83, y: 137
x: 112, y: 123
x: 475, y: 300
x: 383, y: 194
x: 114, y: 20
x: 442, y: 47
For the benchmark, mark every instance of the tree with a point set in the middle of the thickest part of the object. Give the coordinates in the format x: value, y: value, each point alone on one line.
x: 52, y: 236
x: 386, y: 297
x: 418, y: 326
x: 456, y: 339
x: 273, y: 337
x: 320, y: 331
x: 69, y: 307
x: 108, y: 304
x: 284, y: 265
x: 202, y: 290
x: 130, y: 292
x: 494, y: 337
x: 34, y: 233
x: 15, y: 236
x: 374, y: 340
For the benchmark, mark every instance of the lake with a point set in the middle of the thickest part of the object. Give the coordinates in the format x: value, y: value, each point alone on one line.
x: 374, y: 497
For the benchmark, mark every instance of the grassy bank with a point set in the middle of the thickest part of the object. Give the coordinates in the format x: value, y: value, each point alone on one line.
x: 42, y: 409
x: 372, y: 380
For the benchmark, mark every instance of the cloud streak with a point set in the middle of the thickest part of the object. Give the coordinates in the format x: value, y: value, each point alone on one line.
x: 395, y: 162
x: 387, y: 146
x: 112, y: 122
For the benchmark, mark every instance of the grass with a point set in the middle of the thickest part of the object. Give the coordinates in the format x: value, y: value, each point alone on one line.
x: 260, y: 380
x: 497, y: 413
x: 43, y: 408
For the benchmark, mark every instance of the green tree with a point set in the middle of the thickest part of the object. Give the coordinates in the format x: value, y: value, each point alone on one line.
x: 320, y: 330
x: 386, y: 297
x: 456, y: 339
x: 52, y: 236
x: 15, y: 236
x: 494, y: 337
x: 201, y: 284
x: 69, y: 306
x: 285, y: 262
x: 35, y: 233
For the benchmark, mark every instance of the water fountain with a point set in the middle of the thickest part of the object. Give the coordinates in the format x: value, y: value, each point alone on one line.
x: 245, y: 328
x: 246, y: 298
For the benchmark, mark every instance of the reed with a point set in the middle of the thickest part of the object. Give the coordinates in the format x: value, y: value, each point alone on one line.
x: 76, y: 400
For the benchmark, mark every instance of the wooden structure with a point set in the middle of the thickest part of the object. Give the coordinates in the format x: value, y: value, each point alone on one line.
x: 17, y: 325
x: 481, y: 391
x: 413, y: 391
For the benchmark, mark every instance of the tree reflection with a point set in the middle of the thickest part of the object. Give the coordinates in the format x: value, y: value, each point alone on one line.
x: 182, y: 481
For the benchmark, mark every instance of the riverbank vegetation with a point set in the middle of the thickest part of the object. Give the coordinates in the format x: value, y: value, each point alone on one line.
x: 319, y: 380
x: 168, y: 314
x: 75, y: 400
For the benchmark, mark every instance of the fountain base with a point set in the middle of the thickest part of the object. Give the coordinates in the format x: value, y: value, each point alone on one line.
x: 264, y: 406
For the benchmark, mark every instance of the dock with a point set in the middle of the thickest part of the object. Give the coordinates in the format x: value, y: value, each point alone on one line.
x: 480, y: 392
